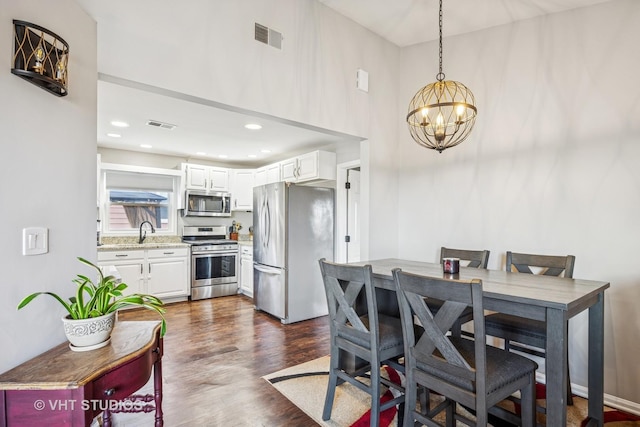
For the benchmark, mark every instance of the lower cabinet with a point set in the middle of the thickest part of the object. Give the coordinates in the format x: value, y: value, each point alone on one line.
x: 168, y: 272
x: 160, y: 272
x: 246, y: 270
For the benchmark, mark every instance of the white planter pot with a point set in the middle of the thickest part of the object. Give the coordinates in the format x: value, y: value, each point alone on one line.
x: 89, y: 334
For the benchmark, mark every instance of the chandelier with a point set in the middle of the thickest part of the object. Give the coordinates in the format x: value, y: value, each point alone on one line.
x: 442, y: 114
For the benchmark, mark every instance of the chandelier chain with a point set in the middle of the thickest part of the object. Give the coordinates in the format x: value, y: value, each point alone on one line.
x: 440, y: 75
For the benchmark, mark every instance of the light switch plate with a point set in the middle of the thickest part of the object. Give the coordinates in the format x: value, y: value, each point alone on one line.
x: 362, y: 80
x: 35, y: 241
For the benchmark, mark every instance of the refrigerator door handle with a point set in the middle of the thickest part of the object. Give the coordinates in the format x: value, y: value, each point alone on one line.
x: 268, y: 224
x: 268, y: 270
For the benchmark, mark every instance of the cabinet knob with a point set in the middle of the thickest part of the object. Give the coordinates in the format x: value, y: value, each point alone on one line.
x: 110, y: 392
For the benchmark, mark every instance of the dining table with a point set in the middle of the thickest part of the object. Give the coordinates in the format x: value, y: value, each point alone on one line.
x: 547, y: 298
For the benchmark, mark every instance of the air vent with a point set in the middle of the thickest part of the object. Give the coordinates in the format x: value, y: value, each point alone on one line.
x: 268, y: 36
x: 161, y: 125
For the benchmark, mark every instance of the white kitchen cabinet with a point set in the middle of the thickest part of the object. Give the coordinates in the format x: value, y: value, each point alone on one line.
x: 314, y: 166
x: 129, y: 265
x: 168, y: 272
x: 163, y: 272
x: 267, y: 174
x: 246, y: 270
x: 242, y: 181
x: 206, y: 178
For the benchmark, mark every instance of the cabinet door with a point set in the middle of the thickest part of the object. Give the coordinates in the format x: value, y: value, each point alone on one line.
x: 260, y: 177
x: 289, y: 170
x: 197, y: 177
x: 130, y: 271
x: 307, y: 166
x: 242, y: 190
x: 273, y: 173
x: 219, y: 179
x: 246, y: 275
x: 168, y: 277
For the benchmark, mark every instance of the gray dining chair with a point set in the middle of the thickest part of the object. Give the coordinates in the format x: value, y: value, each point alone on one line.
x: 522, y: 334
x: 359, y: 329
x: 471, y: 258
x: 468, y: 258
x: 464, y: 371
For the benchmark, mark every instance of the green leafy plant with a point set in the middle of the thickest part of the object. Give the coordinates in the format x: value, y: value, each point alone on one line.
x: 100, y: 298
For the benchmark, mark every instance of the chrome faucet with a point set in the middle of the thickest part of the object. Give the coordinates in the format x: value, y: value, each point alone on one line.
x: 143, y: 236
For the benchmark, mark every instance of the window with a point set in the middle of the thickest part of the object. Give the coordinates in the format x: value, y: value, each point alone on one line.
x: 129, y: 198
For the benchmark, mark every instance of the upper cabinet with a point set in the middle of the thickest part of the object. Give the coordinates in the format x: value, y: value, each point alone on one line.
x: 317, y: 165
x: 206, y: 178
x: 242, y: 181
x: 267, y: 174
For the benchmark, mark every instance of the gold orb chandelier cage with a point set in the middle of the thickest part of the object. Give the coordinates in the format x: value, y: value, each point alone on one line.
x: 442, y: 114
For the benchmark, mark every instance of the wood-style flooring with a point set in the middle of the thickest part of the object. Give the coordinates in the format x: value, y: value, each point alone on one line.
x: 215, y: 354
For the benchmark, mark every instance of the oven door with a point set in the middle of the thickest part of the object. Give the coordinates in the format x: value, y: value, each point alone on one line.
x: 214, y: 268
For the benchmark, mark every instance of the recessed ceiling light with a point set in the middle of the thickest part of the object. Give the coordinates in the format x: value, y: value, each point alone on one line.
x: 114, y: 135
x: 201, y: 153
x: 120, y: 124
x: 253, y: 126
x: 146, y: 146
x: 223, y: 156
x: 265, y: 151
x: 252, y: 156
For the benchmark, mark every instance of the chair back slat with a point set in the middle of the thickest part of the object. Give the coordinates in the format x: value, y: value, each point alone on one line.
x: 549, y: 265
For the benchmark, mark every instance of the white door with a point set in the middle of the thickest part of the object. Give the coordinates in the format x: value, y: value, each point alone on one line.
x: 353, y: 215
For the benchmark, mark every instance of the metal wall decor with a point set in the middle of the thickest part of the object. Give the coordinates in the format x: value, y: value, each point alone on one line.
x: 41, y: 57
x: 442, y: 114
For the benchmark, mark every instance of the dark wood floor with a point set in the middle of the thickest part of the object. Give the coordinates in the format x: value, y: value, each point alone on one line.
x: 215, y: 354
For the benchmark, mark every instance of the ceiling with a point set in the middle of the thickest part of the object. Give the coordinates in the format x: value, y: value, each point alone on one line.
x: 199, y: 122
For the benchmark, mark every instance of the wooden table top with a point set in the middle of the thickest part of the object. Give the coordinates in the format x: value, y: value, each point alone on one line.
x: 62, y: 368
x: 545, y: 291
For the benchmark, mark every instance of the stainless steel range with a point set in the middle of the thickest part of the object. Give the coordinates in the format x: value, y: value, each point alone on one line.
x: 214, y: 261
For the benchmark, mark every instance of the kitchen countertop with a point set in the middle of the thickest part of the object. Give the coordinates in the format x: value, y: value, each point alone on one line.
x: 151, y: 242
x: 145, y: 245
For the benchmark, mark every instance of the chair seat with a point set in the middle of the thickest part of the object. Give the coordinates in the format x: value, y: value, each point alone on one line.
x: 390, y: 330
x: 514, y: 328
x: 503, y: 367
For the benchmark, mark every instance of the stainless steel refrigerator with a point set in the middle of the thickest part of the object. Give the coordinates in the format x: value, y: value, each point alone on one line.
x: 293, y: 227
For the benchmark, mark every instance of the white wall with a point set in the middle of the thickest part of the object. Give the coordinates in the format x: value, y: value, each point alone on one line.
x: 551, y: 166
x: 47, y: 178
x: 312, y: 80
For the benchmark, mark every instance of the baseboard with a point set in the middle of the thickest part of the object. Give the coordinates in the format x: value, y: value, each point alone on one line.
x: 609, y: 400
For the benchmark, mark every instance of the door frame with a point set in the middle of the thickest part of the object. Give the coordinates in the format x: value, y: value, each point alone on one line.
x: 341, y: 208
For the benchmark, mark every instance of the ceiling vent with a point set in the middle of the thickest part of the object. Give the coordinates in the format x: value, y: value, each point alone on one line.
x: 161, y: 125
x: 268, y: 36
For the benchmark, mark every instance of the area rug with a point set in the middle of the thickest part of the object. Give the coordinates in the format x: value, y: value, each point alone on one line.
x: 305, y: 385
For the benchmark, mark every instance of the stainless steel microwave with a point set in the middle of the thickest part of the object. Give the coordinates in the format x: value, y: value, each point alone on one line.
x: 199, y: 203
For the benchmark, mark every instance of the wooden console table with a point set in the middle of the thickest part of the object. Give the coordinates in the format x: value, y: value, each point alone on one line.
x: 64, y: 387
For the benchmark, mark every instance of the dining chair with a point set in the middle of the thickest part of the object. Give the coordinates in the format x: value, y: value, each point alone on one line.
x: 470, y: 258
x: 464, y: 371
x: 359, y: 329
x: 522, y: 334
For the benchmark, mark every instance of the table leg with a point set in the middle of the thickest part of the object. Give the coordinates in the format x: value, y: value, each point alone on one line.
x: 596, y: 362
x: 157, y: 387
x: 556, y: 367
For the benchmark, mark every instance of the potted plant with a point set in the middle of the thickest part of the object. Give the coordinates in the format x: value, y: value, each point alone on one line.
x: 92, y: 310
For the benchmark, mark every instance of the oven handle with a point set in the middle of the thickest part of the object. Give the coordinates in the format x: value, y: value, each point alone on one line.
x: 268, y: 270
x: 214, y: 254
